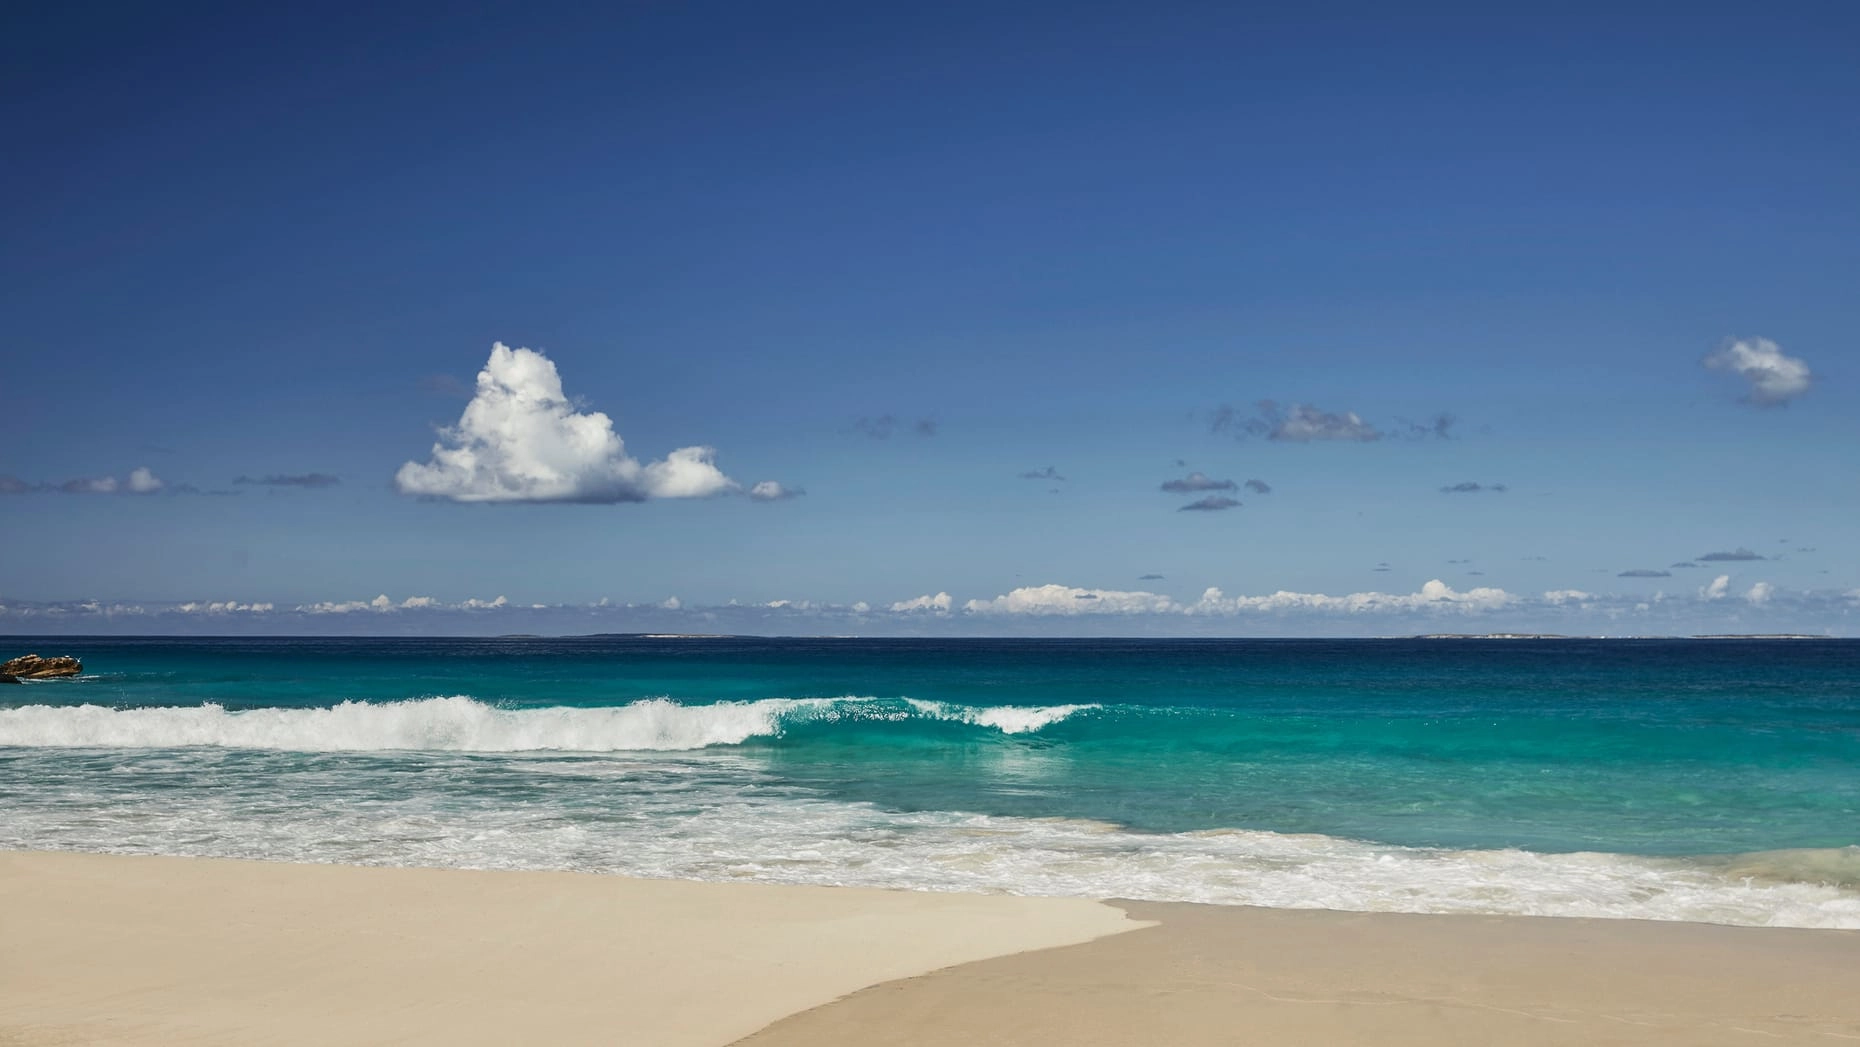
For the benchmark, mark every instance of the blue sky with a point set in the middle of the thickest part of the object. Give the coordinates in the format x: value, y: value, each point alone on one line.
x: 895, y: 259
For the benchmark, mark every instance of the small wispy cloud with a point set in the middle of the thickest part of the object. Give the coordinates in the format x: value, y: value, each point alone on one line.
x: 1211, y: 504
x: 1149, y: 578
x: 1643, y: 572
x: 1259, y: 487
x: 1471, y: 487
x: 1296, y: 423
x: 771, y: 491
x: 1306, y: 423
x: 1048, y: 473
x: 885, y: 426
x: 310, y: 480
x: 1773, y: 378
x: 1439, y: 427
x: 1197, y: 482
x: 141, y: 480
x: 1738, y: 555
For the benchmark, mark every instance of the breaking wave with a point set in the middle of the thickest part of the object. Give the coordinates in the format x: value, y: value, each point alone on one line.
x: 465, y: 724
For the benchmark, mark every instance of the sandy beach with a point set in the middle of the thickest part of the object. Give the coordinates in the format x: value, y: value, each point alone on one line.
x: 130, y: 950
x: 1219, y: 975
x: 101, y: 949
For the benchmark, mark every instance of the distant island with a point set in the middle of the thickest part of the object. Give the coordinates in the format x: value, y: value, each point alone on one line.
x: 659, y: 636
x: 1560, y: 636
x: 1497, y: 636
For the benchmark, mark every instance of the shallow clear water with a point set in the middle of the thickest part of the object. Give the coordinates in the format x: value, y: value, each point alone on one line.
x: 1714, y: 780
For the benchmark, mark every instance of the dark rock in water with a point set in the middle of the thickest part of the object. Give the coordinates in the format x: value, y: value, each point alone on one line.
x: 33, y: 667
x: 8, y: 678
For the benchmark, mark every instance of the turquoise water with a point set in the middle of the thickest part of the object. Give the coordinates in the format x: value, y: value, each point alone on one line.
x: 1713, y: 780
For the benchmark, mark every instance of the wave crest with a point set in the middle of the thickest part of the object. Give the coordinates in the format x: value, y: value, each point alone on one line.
x: 464, y: 724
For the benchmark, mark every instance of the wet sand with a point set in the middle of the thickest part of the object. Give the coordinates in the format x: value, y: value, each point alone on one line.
x: 1217, y: 975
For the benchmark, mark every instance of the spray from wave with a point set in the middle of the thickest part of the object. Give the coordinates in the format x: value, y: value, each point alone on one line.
x: 464, y: 724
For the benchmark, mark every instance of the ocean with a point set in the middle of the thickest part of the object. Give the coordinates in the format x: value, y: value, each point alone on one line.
x: 1705, y: 780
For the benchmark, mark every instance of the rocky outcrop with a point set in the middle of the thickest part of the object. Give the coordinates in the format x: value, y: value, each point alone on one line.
x: 33, y: 667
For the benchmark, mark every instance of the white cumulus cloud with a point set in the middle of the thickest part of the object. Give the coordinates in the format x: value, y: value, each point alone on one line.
x: 143, y: 481
x: 1774, y: 378
x: 379, y: 603
x: 384, y: 604
x: 1716, y: 590
x: 1760, y: 593
x: 1067, y: 600
x: 938, y: 604
x: 521, y: 440
x: 1436, y: 595
x: 222, y: 607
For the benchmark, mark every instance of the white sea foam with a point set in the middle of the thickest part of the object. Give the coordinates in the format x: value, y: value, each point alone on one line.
x: 1008, y: 719
x: 464, y: 724
x: 719, y: 816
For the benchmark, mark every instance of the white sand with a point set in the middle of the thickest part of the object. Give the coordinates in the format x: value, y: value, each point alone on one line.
x: 98, y: 949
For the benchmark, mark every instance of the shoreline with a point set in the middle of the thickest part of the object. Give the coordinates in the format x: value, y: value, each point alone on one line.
x: 115, y: 949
